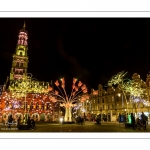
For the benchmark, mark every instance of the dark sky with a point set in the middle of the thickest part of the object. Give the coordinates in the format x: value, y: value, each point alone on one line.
x: 90, y: 49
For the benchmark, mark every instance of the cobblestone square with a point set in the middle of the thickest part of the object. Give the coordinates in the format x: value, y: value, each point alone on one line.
x: 112, y: 127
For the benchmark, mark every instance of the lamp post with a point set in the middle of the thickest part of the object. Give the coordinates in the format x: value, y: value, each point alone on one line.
x: 127, y: 107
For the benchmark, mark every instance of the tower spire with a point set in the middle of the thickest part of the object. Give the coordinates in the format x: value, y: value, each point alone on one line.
x: 24, y: 25
x: 20, y: 58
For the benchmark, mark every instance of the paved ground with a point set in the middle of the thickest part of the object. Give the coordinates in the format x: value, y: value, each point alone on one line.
x: 87, y: 127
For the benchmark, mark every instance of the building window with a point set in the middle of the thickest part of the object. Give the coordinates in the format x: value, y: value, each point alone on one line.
x: 112, y: 106
x: 31, y: 106
x: 42, y: 106
x: 21, y: 65
x: 117, y: 98
x: 37, y: 105
x: 87, y: 108
x: 108, y: 99
x: 103, y: 107
x: 48, y: 106
x: 100, y: 93
x: 112, y: 99
x: 117, y: 105
x: 100, y: 108
x: 102, y: 100
x: 98, y: 101
x: 17, y: 64
x: 25, y: 105
x: 108, y: 107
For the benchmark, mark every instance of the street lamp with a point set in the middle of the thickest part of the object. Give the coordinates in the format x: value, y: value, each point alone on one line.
x: 119, y: 94
x: 61, y: 120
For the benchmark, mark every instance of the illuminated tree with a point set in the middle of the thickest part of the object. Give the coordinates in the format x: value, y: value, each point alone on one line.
x: 128, y: 86
x: 137, y: 94
x: 118, y: 80
x: 79, y: 92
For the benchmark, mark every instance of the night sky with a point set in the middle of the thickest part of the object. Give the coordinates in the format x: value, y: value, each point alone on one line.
x: 90, y: 49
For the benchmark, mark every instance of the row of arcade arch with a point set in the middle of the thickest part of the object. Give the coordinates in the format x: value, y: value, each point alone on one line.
x: 35, y: 116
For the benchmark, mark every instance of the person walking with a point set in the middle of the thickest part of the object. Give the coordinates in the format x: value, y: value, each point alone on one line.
x: 32, y: 124
x: 143, y: 120
x: 138, y: 124
x: 81, y: 120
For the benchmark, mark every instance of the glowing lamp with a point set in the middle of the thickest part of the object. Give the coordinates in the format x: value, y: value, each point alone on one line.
x: 61, y: 120
x: 119, y: 94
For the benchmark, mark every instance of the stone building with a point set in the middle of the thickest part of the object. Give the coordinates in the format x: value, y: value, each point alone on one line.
x: 110, y: 101
x: 37, y: 105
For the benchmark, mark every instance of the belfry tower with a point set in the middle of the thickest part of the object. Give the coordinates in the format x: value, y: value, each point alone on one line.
x: 20, y: 58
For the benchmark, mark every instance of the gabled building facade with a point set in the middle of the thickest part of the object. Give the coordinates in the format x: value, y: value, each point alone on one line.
x: 110, y: 102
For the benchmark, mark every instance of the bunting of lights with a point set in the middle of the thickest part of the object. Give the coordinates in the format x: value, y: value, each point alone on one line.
x: 79, y: 92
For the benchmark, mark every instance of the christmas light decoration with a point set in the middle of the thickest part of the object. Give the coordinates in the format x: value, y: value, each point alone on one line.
x: 21, y: 87
x: 128, y: 86
x: 95, y: 92
x: 117, y: 79
x: 79, y: 92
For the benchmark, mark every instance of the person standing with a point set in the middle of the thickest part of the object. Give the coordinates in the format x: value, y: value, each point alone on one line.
x: 98, y: 120
x: 29, y: 123
x: 143, y: 120
x: 32, y: 124
x: 146, y: 120
x: 18, y: 123
x: 10, y: 120
x: 133, y: 121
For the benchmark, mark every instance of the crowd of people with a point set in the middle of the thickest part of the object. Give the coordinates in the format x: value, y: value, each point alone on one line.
x: 81, y: 119
x: 139, y: 123
x: 30, y: 122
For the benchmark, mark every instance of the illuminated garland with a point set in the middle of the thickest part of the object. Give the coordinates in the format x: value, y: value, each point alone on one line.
x: 138, y: 100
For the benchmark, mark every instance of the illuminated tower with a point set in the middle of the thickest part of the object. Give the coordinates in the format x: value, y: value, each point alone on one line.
x: 20, y: 58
